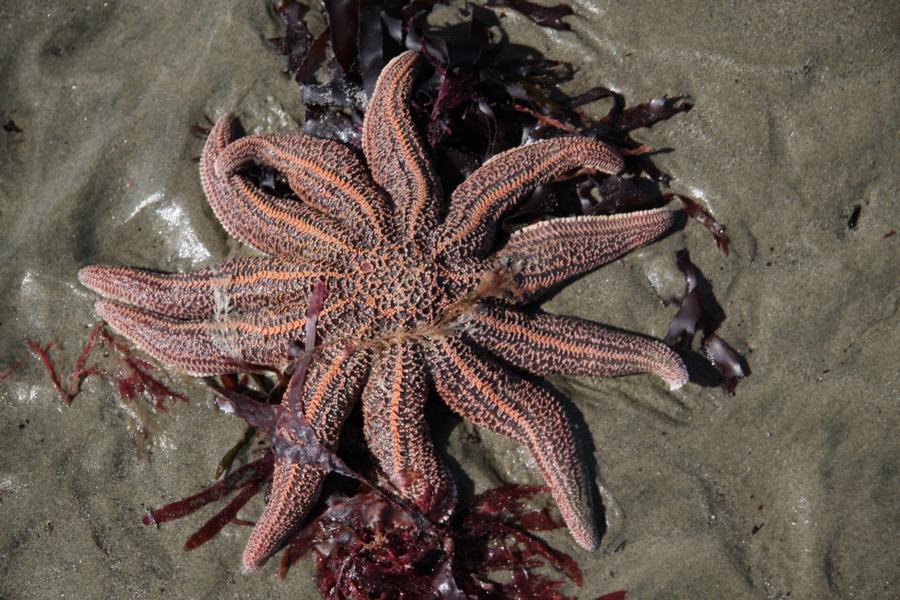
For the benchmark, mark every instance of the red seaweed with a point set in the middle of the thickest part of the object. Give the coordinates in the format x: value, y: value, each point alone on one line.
x: 223, y: 517
x: 366, y: 544
x: 257, y: 471
x: 373, y: 540
x: 134, y: 376
x: 79, y: 372
x: 5, y: 373
x: 138, y: 379
x: 249, y: 479
x: 702, y: 216
x: 202, y: 131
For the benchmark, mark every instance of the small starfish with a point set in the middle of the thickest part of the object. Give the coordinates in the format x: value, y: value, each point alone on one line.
x: 417, y: 300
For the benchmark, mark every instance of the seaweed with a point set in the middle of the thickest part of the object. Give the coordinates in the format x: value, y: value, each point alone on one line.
x: 134, y: 375
x: 478, y: 96
x: 249, y: 479
x: 726, y: 361
x: 694, y: 210
x: 137, y: 378
x: 297, y: 44
x: 699, y: 310
x: 369, y: 543
x: 497, y: 536
x: 545, y: 16
x: 8, y: 371
x: 620, y: 120
x: 79, y: 372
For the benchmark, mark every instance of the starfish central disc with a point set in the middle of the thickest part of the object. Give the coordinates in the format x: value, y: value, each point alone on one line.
x: 405, y: 288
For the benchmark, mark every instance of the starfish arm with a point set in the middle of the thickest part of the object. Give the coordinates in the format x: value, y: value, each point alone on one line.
x: 298, y: 488
x: 501, y: 182
x: 548, y: 253
x: 324, y: 174
x: 396, y: 155
x: 236, y: 284
x: 227, y: 343
x: 545, y: 344
x: 333, y: 386
x: 273, y: 225
x: 397, y: 433
x: 492, y: 396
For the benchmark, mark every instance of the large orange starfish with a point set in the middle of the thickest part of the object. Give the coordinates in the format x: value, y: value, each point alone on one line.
x: 417, y: 299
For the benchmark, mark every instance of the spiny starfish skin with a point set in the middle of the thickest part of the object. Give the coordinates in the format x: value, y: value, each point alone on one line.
x: 417, y: 301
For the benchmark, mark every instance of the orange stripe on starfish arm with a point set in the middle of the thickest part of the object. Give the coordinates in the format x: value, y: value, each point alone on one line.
x: 274, y: 225
x: 331, y: 375
x: 294, y: 491
x: 242, y: 284
x: 545, y: 344
x: 550, y: 252
x: 210, y: 347
x: 490, y: 395
x: 397, y: 432
x: 230, y: 209
x: 397, y: 158
x: 505, y: 179
x: 279, y: 210
x: 185, y: 345
x: 313, y: 167
x: 260, y: 329
x: 396, y: 397
x: 296, y: 486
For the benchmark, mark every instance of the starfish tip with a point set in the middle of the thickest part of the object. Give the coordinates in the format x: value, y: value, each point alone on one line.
x: 102, y: 308
x: 250, y: 562
x: 676, y: 385
x: 678, y: 378
x: 87, y: 276
x: 585, y: 535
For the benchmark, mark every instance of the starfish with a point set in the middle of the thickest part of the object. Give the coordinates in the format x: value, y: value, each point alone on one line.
x: 419, y: 299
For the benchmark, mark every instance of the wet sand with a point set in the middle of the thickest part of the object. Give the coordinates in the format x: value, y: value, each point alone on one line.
x: 788, y: 488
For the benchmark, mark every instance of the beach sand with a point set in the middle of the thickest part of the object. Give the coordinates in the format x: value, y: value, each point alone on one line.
x: 787, y: 489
